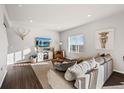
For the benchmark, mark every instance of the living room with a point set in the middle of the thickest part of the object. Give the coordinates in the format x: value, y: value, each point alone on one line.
x: 52, y: 41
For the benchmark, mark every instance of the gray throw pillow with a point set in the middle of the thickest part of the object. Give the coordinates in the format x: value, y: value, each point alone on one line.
x: 63, y: 66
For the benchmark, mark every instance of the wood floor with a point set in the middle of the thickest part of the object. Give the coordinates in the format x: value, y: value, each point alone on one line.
x: 116, y: 79
x: 21, y: 77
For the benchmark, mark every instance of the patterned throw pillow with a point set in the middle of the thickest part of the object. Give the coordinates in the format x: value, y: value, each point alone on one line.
x: 79, y: 70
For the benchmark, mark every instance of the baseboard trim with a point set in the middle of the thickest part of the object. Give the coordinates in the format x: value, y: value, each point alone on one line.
x: 3, y: 78
x: 118, y: 71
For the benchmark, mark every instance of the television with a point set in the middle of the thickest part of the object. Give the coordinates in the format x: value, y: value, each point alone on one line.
x: 42, y: 42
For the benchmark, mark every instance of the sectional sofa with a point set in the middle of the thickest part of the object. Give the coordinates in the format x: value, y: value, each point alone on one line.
x: 85, y: 78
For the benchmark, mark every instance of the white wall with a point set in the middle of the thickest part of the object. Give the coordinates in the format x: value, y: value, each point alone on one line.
x: 88, y: 30
x: 3, y: 47
x: 17, y: 45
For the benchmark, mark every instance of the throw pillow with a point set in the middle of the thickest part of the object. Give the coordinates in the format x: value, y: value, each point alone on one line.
x: 79, y: 70
x: 63, y: 66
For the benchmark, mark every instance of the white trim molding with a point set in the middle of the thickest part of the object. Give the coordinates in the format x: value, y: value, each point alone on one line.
x: 118, y: 71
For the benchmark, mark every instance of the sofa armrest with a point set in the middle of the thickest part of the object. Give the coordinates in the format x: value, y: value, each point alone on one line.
x: 80, y: 83
x: 87, y: 81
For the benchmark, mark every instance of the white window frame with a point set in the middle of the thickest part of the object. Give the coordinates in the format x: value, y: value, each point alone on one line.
x: 69, y: 46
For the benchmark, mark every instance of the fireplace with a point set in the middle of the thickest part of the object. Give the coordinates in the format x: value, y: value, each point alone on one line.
x: 43, y: 49
x: 45, y: 56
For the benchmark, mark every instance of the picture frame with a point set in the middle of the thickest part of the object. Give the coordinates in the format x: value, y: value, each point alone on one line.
x: 105, y: 39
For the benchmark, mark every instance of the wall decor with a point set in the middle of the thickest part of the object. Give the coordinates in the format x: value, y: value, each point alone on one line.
x: 22, y: 32
x: 105, y: 39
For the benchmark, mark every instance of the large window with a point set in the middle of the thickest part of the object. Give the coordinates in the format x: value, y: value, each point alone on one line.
x: 18, y: 56
x: 75, y: 43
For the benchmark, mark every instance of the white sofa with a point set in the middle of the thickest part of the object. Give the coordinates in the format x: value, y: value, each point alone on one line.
x: 105, y: 69
x: 91, y: 80
x: 57, y: 81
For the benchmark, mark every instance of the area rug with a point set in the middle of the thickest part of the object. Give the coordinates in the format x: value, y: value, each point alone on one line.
x: 41, y: 70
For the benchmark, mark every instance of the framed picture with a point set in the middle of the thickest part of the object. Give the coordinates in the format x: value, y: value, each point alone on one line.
x: 105, y: 39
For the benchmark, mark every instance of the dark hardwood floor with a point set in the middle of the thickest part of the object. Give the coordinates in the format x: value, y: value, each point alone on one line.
x: 115, y: 79
x: 21, y: 77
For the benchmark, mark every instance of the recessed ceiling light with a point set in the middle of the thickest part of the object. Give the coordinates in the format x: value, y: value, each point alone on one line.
x: 31, y: 21
x: 89, y: 15
x: 20, y: 5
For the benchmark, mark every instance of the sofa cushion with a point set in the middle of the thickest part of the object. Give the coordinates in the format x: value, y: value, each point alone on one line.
x: 108, y: 57
x: 69, y: 76
x: 100, y: 60
x: 63, y: 66
x: 81, y: 59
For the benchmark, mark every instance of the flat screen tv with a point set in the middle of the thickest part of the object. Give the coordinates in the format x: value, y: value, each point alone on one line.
x: 42, y: 42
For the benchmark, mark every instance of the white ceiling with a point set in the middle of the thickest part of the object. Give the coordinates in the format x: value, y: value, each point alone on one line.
x: 58, y: 17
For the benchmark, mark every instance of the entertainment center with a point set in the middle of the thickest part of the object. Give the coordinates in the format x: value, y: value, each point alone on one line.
x: 43, y: 49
